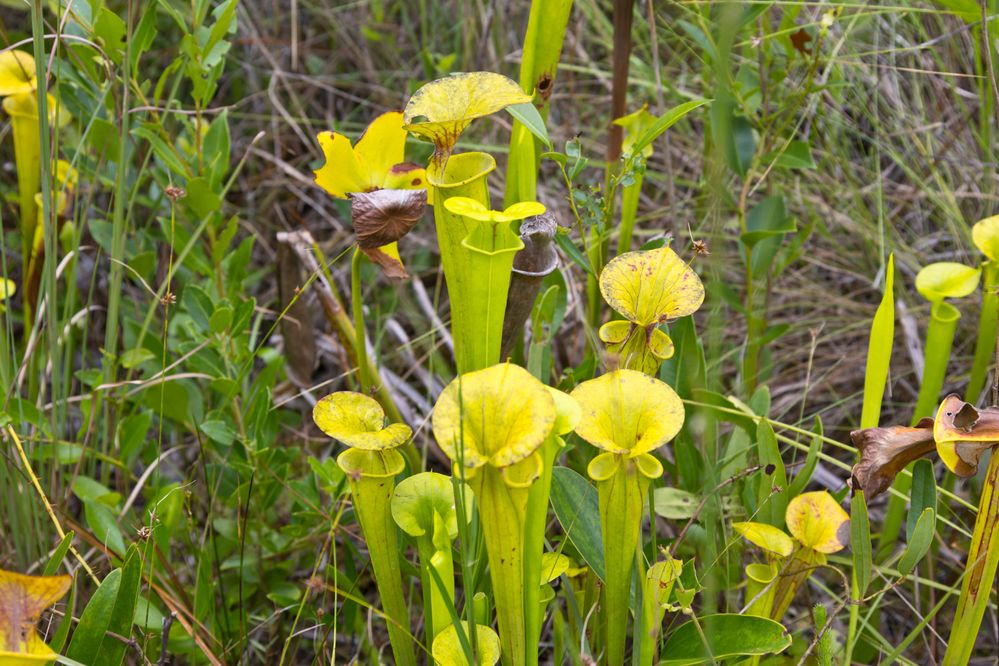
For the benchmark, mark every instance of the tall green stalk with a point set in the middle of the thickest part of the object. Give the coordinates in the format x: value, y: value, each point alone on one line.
x: 372, y: 479
x: 988, y: 323
x: 539, y: 62
x: 983, y: 559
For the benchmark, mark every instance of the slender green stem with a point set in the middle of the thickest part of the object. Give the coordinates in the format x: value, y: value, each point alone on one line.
x: 535, y: 521
x: 357, y: 305
x: 621, y: 498
x: 983, y: 559
x: 629, y: 209
x: 988, y: 323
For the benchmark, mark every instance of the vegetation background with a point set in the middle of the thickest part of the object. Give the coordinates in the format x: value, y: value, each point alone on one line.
x: 184, y: 428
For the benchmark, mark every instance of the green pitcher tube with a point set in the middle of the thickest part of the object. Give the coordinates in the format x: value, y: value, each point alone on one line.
x: 535, y: 517
x: 489, y: 251
x: 502, y: 496
x: 760, y: 588
x: 463, y: 175
x: 23, y: 112
x: 987, y: 324
x: 939, y: 339
x: 372, y: 480
x: 622, y: 499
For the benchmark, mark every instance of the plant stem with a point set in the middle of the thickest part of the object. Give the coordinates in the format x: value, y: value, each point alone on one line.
x: 983, y: 558
x: 987, y: 324
x: 357, y: 306
x: 542, y: 49
x: 621, y: 497
x: 535, y: 520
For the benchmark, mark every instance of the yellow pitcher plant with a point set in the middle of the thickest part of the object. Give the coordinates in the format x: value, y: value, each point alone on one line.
x: 371, y: 463
x: 627, y: 415
x: 647, y: 289
x: 491, y: 423
x: 18, y: 88
x: 818, y: 525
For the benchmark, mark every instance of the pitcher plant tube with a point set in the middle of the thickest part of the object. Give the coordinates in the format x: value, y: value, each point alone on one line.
x: 423, y: 507
x: 647, y: 289
x: 371, y: 464
x: 626, y: 415
x: 538, y: 65
x: 484, y: 264
x: 659, y: 580
x: 819, y: 527
x: 18, y: 88
x: 985, y: 235
x: 568, y: 414
x: 960, y: 434
x: 491, y: 423
x: 963, y: 434
x: 22, y: 601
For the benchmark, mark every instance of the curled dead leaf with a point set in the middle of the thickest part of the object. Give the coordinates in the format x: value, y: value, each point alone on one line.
x: 391, y: 266
x: 384, y: 216
x: 884, y: 452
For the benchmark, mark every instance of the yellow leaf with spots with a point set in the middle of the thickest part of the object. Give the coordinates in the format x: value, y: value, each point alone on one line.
x: 818, y: 522
x: 651, y: 287
x: 442, y: 109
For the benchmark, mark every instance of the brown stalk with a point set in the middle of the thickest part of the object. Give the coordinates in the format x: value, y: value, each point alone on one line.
x: 623, y: 14
x: 530, y: 266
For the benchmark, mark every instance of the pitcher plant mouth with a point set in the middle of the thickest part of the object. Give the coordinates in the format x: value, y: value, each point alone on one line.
x: 459, y: 170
